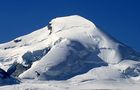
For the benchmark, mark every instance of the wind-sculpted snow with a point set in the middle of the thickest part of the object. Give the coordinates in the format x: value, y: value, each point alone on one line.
x: 65, y: 60
x: 70, y: 48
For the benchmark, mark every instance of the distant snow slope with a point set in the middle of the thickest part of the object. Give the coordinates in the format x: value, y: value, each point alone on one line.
x: 72, y: 48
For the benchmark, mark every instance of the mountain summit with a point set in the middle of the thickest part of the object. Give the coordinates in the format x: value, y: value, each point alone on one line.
x: 71, y: 48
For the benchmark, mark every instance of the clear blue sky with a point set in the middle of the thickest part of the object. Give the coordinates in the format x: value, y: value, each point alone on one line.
x: 119, y: 18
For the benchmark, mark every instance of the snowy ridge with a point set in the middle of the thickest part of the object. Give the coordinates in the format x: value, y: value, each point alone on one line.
x: 70, y: 48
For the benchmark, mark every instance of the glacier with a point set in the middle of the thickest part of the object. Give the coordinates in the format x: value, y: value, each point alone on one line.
x: 70, y: 48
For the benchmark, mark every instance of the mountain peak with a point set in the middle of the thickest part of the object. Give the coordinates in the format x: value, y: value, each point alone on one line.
x: 68, y: 22
x: 67, y: 47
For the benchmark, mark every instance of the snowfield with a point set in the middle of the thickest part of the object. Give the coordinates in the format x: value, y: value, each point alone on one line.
x: 66, y: 85
x: 71, y: 53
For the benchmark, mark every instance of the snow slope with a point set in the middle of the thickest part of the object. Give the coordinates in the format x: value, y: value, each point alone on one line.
x: 65, y: 85
x: 73, y: 49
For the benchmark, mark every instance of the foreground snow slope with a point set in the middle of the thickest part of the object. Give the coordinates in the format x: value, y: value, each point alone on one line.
x: 71, y: 48
x: 66, y: 85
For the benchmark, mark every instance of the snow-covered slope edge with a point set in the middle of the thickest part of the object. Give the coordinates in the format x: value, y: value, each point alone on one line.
x: 71, y: 46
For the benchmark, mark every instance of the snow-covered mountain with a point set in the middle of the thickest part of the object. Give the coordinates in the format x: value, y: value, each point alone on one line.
x: 70, y: 48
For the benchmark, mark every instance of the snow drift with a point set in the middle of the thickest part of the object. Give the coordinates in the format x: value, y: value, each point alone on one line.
x: 72, y: 48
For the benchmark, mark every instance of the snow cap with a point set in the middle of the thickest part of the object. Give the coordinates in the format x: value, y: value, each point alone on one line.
x: 68, y: 22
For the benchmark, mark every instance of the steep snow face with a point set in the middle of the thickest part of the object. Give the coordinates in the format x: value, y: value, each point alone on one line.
x: 77, y: 28
x: 69, y: 46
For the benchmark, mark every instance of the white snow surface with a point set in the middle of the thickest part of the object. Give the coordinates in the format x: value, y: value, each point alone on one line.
x: 66, y: 85
x: 75, y: 50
